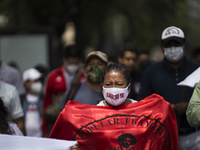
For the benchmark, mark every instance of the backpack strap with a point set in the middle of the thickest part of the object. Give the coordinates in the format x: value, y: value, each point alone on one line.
x: 78, y: 75
x: 72, y: 91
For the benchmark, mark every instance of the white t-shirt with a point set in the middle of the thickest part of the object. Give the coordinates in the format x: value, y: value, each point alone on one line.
x: 32, y: 118
x: 11, y: 100
x: 101, y: 103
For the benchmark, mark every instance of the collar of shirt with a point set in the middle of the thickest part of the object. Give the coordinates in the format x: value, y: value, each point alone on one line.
x: 170, y: 69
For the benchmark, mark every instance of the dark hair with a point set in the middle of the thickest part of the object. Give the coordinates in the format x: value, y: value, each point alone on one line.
x: 4, y: 127
x: 144, y: 52
x: 128, y: 47
x: 196, y: 52
x: 118, y: 68
x: 72, y: 51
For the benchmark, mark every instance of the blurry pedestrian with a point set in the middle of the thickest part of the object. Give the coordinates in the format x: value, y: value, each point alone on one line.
x: 58, y: 81
x: 162, y: 78
x: 12, y: 75
x: 143, y: 61
x: 32, y: 103
x: 128, y: 56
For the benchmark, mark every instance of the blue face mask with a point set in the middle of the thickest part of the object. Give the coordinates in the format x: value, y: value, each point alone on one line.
x: 174, y: 54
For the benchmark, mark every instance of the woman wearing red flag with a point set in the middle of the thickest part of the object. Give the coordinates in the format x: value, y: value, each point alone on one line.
x: 147, y: 124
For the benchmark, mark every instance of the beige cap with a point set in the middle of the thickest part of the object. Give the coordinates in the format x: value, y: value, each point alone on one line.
x: 99, y: 54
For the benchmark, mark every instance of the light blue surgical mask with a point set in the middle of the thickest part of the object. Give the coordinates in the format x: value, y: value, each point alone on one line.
x: 174, y: 54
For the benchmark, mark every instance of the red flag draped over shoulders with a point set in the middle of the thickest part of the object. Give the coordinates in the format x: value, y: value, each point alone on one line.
x: 149, y: 124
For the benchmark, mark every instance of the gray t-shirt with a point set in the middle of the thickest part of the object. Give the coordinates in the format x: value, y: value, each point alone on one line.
x: 11, y: 75
x: 84, y: 95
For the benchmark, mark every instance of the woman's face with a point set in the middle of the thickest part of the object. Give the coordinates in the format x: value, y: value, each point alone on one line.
x: 114, y: 79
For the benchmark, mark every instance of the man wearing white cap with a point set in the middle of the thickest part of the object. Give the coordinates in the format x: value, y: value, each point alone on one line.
x: 32, y: 103
x: 162, y: 77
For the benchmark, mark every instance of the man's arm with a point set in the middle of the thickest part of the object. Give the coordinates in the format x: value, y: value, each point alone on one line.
x: 180, y: 108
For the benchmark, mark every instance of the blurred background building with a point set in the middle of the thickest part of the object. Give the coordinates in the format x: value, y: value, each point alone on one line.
x: 35, y: 31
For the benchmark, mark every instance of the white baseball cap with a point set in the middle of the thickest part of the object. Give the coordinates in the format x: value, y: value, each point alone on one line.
x: 172, y: 33
x: 31, y: 74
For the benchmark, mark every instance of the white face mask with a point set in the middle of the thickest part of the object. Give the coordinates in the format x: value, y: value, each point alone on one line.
x: 115, y: 96
x: 174, y: 54
x: 36, y: 87
x: 71, y: 68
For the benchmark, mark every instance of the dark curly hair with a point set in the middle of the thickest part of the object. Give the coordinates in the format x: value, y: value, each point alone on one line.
x: 4, y: 127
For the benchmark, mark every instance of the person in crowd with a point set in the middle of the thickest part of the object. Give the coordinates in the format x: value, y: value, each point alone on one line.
x: 12, y: 75
x: 6, y: 126
x: 128, y: 56
x: 162, y: 77
x: 112, y: 59
x: 112, y: 124
x: 95, y: 63
x: 32, y: 103
x: 196, y: 55
x: 143, y: 61
x: 193, y: 109
x: 14, y: 65
x: 59, y: 80
x: 10, y: 97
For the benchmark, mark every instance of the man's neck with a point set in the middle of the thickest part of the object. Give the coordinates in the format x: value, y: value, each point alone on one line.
x: 175, y: 65
x: 95, y: 86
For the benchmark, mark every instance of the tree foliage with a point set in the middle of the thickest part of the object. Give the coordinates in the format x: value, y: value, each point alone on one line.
x: 105, y: 25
